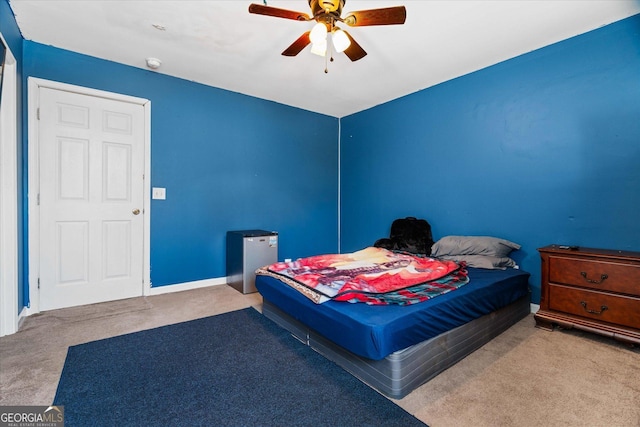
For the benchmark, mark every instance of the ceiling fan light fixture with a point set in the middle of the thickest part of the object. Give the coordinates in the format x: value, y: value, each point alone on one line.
x: 318, y: 33
x: 327, y: 13
x: 340, y: 40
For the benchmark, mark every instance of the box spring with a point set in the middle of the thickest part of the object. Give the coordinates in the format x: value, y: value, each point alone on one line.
x: 402, y: 371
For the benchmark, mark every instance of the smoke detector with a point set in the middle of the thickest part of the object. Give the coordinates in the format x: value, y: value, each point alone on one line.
x: 153, y: 63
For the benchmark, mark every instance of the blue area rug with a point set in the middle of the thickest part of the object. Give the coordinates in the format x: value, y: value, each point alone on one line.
x: 235, y: 369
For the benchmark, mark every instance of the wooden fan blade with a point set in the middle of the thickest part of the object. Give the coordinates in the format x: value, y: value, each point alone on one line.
x: 297, y: 46
x: 277, y: 12
x: 387, y: 16
x: 354, y: 51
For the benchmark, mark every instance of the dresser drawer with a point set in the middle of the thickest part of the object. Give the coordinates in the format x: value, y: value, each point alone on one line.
x: 595, y: 305
x: 596, y: 274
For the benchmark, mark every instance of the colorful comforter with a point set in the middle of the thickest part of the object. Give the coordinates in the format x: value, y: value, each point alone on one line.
x: 372, y: 275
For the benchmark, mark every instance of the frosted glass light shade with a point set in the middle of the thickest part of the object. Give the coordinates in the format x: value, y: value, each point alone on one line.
x: 319, y: 48
x: 340, y: 40
x: 318, y: 33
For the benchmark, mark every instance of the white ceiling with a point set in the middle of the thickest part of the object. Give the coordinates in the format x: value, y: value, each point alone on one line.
x: 218, y: 43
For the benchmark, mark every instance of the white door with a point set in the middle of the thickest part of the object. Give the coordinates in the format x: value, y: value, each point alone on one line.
x: 91, y: 167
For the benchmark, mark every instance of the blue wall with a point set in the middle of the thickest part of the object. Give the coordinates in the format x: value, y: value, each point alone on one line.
x: 540, y: 149
x: 228, y: 162
x: 9, y: 29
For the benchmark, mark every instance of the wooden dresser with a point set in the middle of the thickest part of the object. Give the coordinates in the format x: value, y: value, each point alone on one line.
x: 595, y: 290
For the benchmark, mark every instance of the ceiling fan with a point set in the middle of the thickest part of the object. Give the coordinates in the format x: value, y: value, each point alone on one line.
x: 327, y: 13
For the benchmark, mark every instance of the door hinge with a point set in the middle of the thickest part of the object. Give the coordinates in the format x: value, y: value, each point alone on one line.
x: 38, y: 283
x: 38, y: 113
x: 38, y: 199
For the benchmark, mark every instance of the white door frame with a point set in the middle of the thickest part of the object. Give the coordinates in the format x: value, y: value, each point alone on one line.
x: 34, y: 85
x: 9, y: 197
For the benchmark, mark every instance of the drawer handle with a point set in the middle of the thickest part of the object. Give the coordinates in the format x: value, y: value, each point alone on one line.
x: 603, y: 277
x: 602, y: 308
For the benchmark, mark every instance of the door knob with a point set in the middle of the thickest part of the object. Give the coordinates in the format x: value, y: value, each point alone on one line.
x: 135, y: 211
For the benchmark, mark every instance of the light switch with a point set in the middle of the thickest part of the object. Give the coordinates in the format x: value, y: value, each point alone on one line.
x: 158, y: 193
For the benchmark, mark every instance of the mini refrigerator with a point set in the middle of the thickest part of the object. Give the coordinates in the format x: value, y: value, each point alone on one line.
x: 248, y: 250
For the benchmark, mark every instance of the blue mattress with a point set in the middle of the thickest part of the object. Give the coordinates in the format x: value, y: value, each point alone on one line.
x: 375, y: 331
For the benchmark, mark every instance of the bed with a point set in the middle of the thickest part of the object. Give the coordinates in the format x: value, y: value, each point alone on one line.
x: 396, y: 348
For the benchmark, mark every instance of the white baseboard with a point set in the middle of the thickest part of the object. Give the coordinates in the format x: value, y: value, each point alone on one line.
x: 186, y: 286
x: 535, y: 308
x: 22, y: 317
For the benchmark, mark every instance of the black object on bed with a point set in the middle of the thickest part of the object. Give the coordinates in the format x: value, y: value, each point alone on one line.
x: 408, y: 234
x: 395, y: 349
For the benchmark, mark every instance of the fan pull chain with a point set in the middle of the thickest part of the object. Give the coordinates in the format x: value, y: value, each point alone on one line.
x: 330, y: 52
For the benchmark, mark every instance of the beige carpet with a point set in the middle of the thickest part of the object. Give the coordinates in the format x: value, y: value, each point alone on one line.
x: 32, y: 359
x: 531, y: 377
x: 524, y: 377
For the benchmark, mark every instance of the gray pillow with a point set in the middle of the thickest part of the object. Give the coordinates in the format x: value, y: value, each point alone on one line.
x: 483, y: 261
x: 473, y: 245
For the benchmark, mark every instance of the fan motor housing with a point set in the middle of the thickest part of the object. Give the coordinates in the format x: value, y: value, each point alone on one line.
x: 322, y: 6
